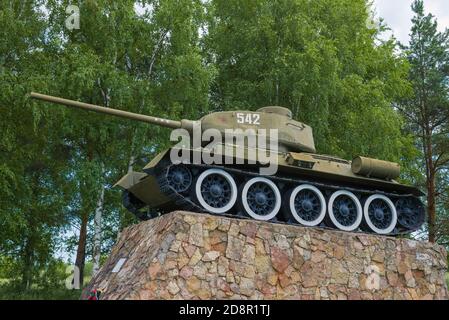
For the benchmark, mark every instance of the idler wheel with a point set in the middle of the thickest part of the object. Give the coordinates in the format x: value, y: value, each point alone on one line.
x: 216, y: 191
x: 380, y: 214
x: 345, y: 211
x: 179, y: 178
x: 307, y: 205
x: 261, y: 199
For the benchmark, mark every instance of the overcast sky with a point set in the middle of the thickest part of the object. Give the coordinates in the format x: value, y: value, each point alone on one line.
x: 397, y: 14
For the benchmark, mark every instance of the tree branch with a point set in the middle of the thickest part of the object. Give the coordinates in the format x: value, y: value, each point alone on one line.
x: 439, y: 163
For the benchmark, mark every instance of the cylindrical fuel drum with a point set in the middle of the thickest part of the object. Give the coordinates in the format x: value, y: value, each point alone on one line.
x: 374, y: 168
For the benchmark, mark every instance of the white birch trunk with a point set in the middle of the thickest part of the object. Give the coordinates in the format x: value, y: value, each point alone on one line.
x: 131, y: 163
x: 97, y: 232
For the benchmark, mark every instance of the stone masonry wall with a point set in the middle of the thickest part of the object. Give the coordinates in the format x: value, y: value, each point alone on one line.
x: 195, y: 256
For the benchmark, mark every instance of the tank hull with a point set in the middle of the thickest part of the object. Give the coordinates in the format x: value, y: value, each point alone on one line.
x: 155, y: 192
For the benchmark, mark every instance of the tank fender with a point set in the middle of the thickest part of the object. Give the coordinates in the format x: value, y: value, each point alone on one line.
x: 130, y: 180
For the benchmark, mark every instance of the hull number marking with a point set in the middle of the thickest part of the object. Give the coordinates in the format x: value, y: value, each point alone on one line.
x: 248, y: 118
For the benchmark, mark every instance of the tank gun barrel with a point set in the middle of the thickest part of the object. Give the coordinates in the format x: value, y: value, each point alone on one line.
x: 115, y: 112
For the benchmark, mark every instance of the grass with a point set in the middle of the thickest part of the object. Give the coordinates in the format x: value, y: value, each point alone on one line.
x: 46, y: 286
x: 8, y: 291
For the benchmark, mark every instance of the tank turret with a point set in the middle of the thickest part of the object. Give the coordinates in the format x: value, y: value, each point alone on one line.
x: 292, y: 135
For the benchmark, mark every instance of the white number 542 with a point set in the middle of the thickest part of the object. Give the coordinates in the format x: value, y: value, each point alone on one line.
x: 248, y: 118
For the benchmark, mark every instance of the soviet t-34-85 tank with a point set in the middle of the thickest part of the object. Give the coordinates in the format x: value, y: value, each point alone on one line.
x: 307, y: 189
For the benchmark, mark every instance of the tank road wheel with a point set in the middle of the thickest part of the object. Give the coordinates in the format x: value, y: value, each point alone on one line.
x: 307, y: 205
x: 380, y: 214
x: 261, y: 199
x: 410, y: 213
x: 179, y: 178
x: 345, y: 211
x: 216, y: 191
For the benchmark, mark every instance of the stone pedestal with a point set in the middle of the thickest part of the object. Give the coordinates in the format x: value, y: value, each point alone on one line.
x: 196, y: 256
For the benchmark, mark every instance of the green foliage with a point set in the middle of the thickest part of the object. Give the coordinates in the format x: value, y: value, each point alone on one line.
x: 32, y: 197
x: 321, y: 60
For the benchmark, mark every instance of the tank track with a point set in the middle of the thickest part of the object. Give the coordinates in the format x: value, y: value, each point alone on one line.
x: 187, y: 201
